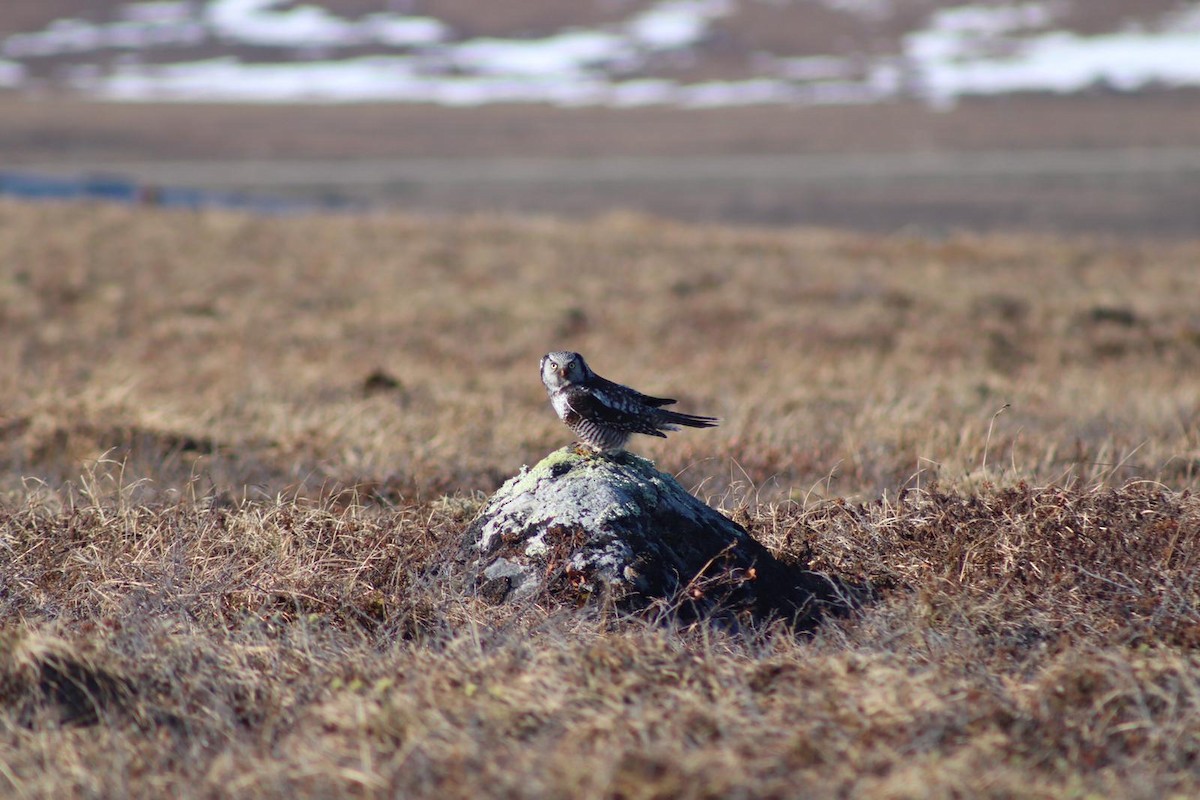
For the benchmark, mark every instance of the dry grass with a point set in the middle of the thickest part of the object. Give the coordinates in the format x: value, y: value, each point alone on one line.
x: 219, y: 353
x: 239, y: 454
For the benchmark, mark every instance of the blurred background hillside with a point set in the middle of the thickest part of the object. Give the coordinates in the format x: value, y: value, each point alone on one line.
x: 1078, y: 115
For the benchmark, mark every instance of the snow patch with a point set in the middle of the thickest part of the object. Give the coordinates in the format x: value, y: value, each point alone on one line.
x: 563, y: 57
x: 987, y: 50
x: 976, y: 49
x: 676, y: 24
x: 264, y: 24
x: 1064, y: 62
x: 72, y: 36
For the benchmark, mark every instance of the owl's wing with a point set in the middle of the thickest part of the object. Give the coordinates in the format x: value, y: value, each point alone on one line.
x: 611, y: 387
x: 612, y: 409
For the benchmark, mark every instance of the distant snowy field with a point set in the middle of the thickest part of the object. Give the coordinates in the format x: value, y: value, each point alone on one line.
x: 963, y: 51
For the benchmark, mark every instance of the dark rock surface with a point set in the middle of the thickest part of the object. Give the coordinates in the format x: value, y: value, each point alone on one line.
x: 578, y: 528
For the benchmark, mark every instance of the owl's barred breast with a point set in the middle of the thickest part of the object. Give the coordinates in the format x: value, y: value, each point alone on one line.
x: 593, y: 433
x: 600, y: 437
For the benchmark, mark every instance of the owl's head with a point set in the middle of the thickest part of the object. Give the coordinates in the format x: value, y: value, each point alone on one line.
x: 562, y: 368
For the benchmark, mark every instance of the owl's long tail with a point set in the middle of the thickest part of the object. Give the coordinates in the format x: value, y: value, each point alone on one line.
x: 673, y: 418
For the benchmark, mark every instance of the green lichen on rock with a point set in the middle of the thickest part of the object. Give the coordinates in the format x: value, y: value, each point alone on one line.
x: 591, y: 491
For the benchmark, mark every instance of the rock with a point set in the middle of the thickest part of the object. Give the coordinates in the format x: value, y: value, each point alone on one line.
x: 579, y: 528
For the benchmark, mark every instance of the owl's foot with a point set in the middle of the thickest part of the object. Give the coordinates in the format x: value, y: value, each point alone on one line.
x: 588, y: 451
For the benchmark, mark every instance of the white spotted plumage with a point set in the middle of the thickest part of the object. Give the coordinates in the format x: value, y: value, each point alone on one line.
x: 604, y: 414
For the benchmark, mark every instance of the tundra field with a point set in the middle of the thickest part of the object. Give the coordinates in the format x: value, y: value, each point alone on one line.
x: 1126, y: 164
x: 239, y: 455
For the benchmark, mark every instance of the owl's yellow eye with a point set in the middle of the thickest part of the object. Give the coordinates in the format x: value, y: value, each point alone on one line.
x: 570, y: 365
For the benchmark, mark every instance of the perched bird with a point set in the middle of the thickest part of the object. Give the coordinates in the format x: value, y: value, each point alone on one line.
x: 604, y: 414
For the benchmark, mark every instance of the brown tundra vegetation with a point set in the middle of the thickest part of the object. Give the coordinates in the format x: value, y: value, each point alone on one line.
x: 239, y: 454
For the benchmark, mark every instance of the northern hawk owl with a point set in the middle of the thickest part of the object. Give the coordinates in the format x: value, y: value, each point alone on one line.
x: 604, y: 414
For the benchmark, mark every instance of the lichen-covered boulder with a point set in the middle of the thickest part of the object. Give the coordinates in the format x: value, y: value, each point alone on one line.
x: 576, y: 528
